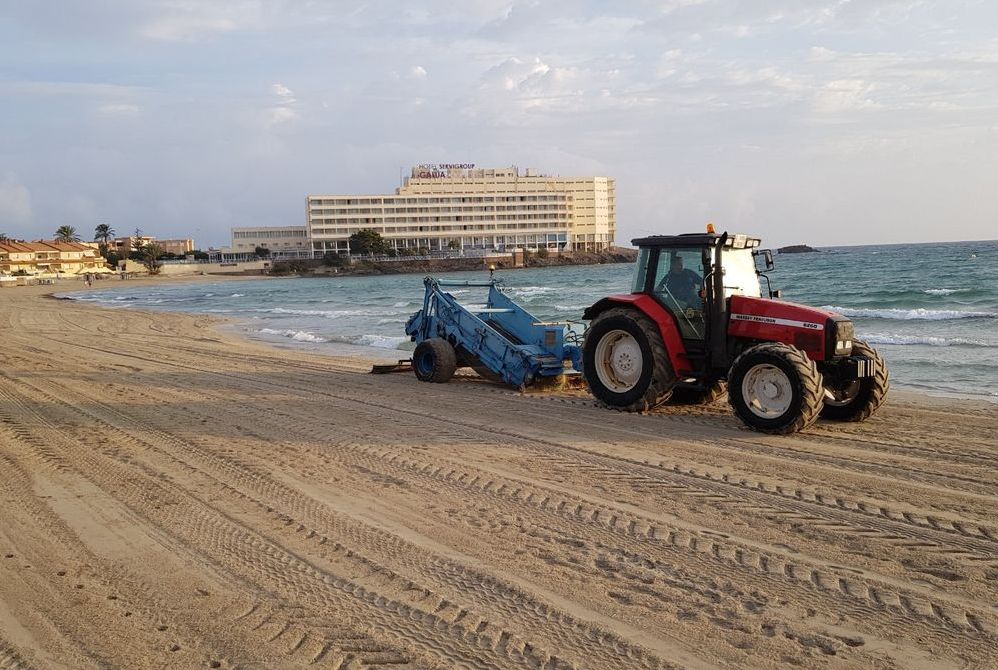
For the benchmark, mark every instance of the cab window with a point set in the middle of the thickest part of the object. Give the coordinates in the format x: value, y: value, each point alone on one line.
x: 679, y: 286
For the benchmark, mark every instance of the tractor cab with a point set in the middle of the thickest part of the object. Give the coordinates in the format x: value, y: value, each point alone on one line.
x: 697, y: 319
x: 679, y: 272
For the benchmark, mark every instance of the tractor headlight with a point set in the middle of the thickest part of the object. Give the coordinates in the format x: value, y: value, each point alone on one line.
x: 839, y: 336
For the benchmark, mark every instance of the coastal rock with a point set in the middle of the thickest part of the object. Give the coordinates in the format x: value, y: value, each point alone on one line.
x: 796, y: 249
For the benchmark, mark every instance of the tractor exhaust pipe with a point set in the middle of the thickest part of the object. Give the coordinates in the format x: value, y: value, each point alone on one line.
x: 719, y: 309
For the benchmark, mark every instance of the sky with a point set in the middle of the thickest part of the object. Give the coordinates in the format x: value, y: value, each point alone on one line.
x: 818, y: 121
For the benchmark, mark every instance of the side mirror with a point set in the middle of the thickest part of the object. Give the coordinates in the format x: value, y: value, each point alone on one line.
x: 768, y: 255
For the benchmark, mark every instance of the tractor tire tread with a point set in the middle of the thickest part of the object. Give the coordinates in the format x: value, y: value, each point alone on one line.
x: 662, y: 380
x: 444, y: 360
x: 875, y: 393
x: 810, y: 387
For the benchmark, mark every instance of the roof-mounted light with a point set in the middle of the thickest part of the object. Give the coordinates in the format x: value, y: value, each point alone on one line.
x: 710, y: 228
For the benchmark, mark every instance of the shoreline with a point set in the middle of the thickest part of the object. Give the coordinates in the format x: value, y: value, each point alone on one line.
x: 233, y: 326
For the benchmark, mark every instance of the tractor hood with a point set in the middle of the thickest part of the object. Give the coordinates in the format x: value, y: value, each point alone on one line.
x: 818, y: 332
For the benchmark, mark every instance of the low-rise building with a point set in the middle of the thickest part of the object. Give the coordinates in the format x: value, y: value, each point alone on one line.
x: 179, y: 247
x: 280, y: 241
x: 48, y: 258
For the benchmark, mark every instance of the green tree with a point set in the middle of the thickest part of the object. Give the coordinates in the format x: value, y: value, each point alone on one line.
x: 103, y: 233
x: 152, y: 253
x: 454, y: 245
x: 262, y: 252
x: 66, y: 234
x: 333, y: 259
x: 367, y: 241
x: 3, y: 237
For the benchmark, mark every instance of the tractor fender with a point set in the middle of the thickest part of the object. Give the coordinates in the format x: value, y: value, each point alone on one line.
x: 663, y: 319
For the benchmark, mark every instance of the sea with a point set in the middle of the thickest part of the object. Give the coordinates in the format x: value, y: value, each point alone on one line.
x: 930, y: 309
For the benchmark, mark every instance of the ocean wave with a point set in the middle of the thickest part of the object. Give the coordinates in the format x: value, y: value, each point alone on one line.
x: 945, y: 291
x: 929, y: 340
x: 401, y: 303
x: 531, y: 291
x: 296, y: 335
x: 326, y: 313
x: 237, y: 295
x: 919, y: 314
x: 378, y: 341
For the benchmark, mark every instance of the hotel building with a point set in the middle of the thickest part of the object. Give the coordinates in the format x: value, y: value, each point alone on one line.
x: 441, y: 207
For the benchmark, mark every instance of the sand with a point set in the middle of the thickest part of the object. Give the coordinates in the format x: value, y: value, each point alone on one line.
x: 176, y: 497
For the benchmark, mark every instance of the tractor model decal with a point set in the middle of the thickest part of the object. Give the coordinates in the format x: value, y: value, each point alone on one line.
x: 778, y: 322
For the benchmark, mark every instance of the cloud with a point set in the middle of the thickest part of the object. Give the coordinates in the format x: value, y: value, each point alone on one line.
x: 189, y: 20
x: 282, y: 91
x: 118, y: 110
x: 15, y: 201
x: 283, y: 112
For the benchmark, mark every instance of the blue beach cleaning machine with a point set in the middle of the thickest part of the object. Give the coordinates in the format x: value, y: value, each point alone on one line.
x: 500, y: 340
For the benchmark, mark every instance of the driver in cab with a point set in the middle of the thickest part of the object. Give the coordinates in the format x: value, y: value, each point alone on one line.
x: 683, y: 285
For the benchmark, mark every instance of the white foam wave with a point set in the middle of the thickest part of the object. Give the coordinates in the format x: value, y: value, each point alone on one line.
x: 944, y: 291
x: 911, y: 314
x: 531, y: 291
x: 928, y: 340
x: 236, y: 295
x: 401, y: 303
x: 326, y: 313
x: 380, y: 341
x: 297, y: 335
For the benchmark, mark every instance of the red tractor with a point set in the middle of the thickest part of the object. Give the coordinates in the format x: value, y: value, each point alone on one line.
x: 697, y: 320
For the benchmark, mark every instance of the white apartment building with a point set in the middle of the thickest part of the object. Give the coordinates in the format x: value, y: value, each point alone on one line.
x: 459, y: 206
x: 281, y: 241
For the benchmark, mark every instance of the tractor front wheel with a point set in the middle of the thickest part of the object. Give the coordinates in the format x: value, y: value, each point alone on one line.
x: 434, y: 360
x: 625, y: 361
x: 775, y: 388
x: 858, y: 399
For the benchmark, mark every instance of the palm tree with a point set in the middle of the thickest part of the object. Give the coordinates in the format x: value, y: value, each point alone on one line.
x: 66, y: 234
x: 103, y: 233
x: 3, y: 237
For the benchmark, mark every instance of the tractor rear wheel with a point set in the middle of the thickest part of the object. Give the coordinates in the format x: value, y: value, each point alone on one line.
x: 434, y: 360
x: 625, y: 361
x: 775, y: 388
x: 858, y: 399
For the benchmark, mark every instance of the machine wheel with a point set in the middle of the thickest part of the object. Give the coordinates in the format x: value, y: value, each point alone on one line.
x: 859, y: 399
x: 775, y: 388
x: 434, y: 360
x: 691, y: 395
x: 625, y: 361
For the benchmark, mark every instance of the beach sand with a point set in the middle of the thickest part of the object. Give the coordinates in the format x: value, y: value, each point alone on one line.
x: 176, y: 497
